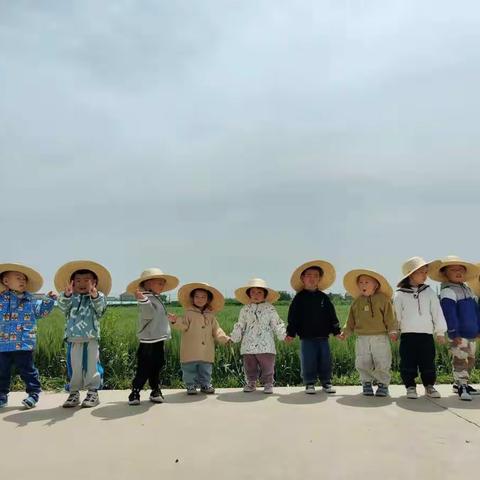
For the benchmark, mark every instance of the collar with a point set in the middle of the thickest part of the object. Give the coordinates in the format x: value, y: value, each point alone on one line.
x: 418, y: 290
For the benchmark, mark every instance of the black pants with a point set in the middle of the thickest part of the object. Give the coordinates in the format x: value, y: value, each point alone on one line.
x: 150, y: 360
x: 417, y: 352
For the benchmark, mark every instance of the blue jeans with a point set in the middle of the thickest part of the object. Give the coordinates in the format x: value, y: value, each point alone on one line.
x: 315, y: 360
x: 197, y: 374
x: 23, y: 361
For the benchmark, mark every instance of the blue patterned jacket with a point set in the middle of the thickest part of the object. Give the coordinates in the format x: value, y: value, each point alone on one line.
x: 18, y: 321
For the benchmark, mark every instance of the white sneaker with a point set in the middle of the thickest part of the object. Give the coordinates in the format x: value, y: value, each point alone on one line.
x: 432, y: 392
x: 463, y: 393
x: 310, y: 389
x: 73, y: 400
x: 412, y: 392
x: 91, y: 400
x: 268, y: 389
x: 249, y: 387
x: 328, y: 388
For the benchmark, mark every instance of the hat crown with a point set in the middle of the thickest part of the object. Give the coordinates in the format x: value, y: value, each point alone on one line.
x: 451, y: 258
x: 257, y: 282
x: 151, y: 271
x: 413, y: 264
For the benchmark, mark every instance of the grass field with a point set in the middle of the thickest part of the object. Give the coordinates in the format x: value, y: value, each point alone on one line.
x: 119, y: 344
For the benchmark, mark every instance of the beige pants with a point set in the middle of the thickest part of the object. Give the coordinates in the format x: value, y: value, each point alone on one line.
x: 84, y: 374
x: 373, y: 358
x: 463, y: 360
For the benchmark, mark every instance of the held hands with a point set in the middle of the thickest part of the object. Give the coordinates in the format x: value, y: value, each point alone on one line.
x: 457, y: 341
x: 393, y: 336
x: 288, y: 339
x: 172, y: 318
x: 341, y: 336
x: 69, y: 289
x: 139, y: 295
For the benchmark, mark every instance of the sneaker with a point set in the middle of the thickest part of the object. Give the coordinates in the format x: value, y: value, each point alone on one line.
x: 328, y: 388
x: 134, y: 397
x: 156, y: 396
x: 432, y: 392
x: 470, y: 389
x: 382, y: 390
x: 208, y: 389
x: 91, y: 400
x: 310, y: 389
x: 268, y: 389
x: 463, y: 393
x: 367, y: 389
x: 249, y: 387
x: 191, y: 390
x: 3, y: 401
x: 412, y: 392
x: 73, y: 400
x: 30, y: 402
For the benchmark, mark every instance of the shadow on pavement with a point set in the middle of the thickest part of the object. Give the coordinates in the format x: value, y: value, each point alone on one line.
x: 421, y: 404
x: 50, y: 415
x: 302, y: 398
x: 363, y: 401
x: 454, y: 402
x: 182, y: 397
x: 117, y: 410
x: 243, y: 397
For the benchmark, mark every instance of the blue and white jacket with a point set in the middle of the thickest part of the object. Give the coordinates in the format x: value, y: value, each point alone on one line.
x: 18, y: 322
x: 460, y: 309
x: 82, y: 313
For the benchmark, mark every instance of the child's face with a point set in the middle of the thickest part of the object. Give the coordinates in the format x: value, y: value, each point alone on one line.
x: 83, y: 282
x: 455, y: 273
x: 257, y: 295
x: 418, y: 277
x: 367, y: 285
x: 200, y: 298
x: 155, y: 285
x: 310, y: 278
x: 15, y: 281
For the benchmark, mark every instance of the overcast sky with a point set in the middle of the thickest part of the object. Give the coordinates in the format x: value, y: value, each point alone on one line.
x: 225, y: 140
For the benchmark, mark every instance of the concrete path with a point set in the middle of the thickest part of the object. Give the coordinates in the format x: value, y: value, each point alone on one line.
x: 234, y: 435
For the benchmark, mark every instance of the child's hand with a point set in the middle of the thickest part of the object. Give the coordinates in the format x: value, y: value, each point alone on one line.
x: 341, y: 336
x: 393, y: 336
x: 441, y: 339
x: 139, y: 295
x: 172, y: 318
x: 52, y: 295
x: 457, y: 341
x: 92, y: 290
x: 288, y: 339
x: 69, y: 289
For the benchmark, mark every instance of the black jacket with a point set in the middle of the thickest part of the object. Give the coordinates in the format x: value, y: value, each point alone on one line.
x: 312, y: 315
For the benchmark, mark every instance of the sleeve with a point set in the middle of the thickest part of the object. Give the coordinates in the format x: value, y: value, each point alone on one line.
x: 65, y: 303
x: 398, y: 304
x: 389, y: 317
x: 182, y: 323
x: 438, y: 319
x: 43, y: 307
x: 448, y: 302
x: 100, y: 304
x: 147, y: 311
x: 239, y: 327
x: 349, y: 327
x: 219, y: 335
x: 277, y: 324
x: 334, y: 323
x: 293, y: 317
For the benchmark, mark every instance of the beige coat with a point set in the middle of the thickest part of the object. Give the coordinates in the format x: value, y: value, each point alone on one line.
x: 199, y: 332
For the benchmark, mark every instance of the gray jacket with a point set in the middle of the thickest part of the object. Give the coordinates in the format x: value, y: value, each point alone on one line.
x: 153, y: 322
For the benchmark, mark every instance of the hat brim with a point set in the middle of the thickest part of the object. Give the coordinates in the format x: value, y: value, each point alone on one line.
x: 171, y: 283
x: 474, y: 284
x: 430, y: 265
x: 242, y: 296
x: 326, y: 280
x: 65, y: 272
x: 471, y: 270
x: 351, y: 278
x: 34, y: 279
x: 216, y: 304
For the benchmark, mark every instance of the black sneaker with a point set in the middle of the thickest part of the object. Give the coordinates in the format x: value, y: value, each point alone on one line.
x: 134, y: 397
x: 156, y: 396
x: 463, y: 393
x: 470, y: 390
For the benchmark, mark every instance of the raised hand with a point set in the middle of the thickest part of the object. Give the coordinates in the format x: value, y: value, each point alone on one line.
x: 92, y: 289
x: 69, y: 289
x: 139, y: 295
x: 52, y: 295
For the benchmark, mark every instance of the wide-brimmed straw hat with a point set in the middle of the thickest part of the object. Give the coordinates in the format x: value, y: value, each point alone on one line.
x: 351, y: 278
x: 242, y: 296
x: 412, y: 265
x: 325, y: 281
x: 64, y: 275
x: 471, y: 270
x: 34, y: 279
x: 186, y: 301
x: 475, y: 283
x: 171, y: 282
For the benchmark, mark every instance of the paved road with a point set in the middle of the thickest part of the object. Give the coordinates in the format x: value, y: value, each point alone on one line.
x: 233, y: 435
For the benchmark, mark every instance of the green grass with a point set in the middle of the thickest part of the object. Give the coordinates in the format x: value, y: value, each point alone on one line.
x: 119, y: 344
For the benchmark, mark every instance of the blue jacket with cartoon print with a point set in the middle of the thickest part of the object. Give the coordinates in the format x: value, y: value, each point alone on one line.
x: 18, y: 321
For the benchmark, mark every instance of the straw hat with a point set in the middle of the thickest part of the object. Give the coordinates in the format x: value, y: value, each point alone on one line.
x: 65, y: 272
x: 325, y: 281
x: 412, y: 265
x: 171, y: 282
x: 34, y: 279
x: 185, y: 300
x: 242, y: 296
x: 351, y: 278
x: 472, y: 270
x: 475, y: 284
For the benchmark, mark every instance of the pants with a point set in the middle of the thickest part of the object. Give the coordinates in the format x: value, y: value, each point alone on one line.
x: 197, y: 374
x: 315, y: 360
x: 83, y: 361
x: 417, y: 352
x: 23, y: 362
x: 260, y: 364
x: 463, y: 360
x: 373, y: 358
x: 150, y: 361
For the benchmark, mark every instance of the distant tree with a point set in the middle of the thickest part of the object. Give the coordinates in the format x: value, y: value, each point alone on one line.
x: 284, y: 295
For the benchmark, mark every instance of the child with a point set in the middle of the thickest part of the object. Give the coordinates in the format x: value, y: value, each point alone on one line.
x: 257, y: 323
x: 312, y: 317
x: 153, y: 331
x: 85, y: 286
x: 18, y: 328
x: 462, y: 315
x: 372, y: 319
x: 419, y: 317
x: 199, y: 329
